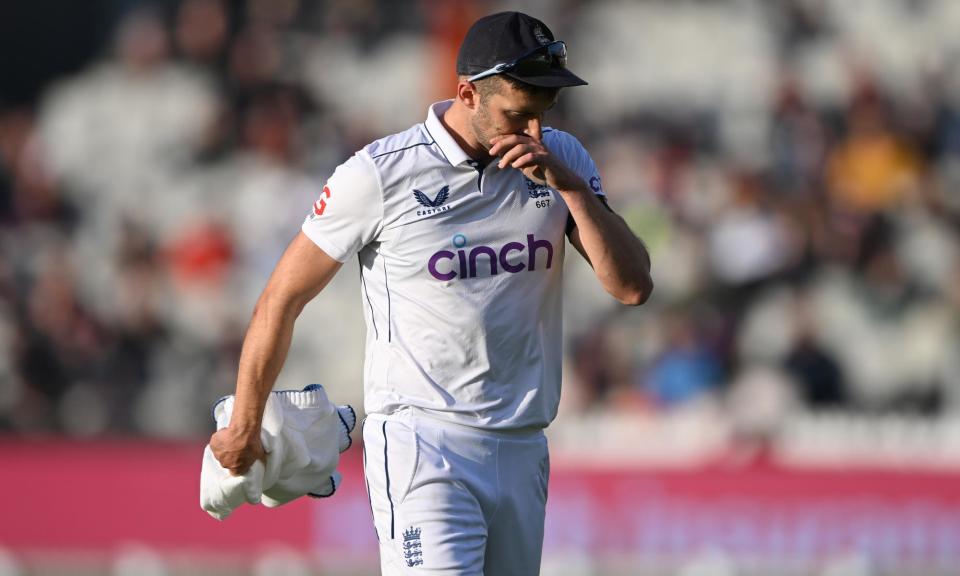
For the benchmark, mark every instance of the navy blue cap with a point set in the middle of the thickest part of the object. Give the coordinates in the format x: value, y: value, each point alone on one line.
x: 504, y: 37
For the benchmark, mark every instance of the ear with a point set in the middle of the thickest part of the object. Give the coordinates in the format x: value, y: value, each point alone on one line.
x: 467, y: 93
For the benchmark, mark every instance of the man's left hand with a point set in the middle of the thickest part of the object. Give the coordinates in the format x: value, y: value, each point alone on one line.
x: 530, y: 155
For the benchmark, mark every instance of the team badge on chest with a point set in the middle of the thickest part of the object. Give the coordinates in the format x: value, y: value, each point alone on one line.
x: 536, y: 190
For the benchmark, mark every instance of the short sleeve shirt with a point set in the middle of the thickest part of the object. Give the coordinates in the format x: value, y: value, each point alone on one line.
x: 461, y: 275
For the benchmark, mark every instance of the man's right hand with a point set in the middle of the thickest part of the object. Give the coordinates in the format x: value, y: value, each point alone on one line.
x: 237, y: 451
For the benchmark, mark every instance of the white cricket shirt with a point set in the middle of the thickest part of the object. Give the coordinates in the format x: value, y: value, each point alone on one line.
x: 461, y: 275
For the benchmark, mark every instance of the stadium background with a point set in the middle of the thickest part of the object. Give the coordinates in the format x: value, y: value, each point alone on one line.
x: 787, y: 403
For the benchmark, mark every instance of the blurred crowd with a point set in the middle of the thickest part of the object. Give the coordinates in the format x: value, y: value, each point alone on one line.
x: 793, y: 167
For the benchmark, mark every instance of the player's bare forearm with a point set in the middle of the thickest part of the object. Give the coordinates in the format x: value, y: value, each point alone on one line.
x: 299, y: 276
x: 302, y: 272
x: 264, y: 350
x: 617, y: 256
x: 619, y: 259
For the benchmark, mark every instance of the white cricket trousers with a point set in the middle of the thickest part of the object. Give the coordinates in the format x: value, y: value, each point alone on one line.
x: 453, y: 500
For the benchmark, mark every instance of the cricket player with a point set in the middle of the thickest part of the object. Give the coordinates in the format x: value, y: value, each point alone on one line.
x: 459, y: 226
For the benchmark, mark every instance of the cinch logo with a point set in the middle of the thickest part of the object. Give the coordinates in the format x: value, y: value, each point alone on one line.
x: 446, y: 265
x: 595, y: 184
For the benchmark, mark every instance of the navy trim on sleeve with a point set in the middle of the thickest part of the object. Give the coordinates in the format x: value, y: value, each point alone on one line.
x: 571, y: 223
x: 345, y: 427
x: 333, y: 490
x: 213, y: 409
x: 603, y: 200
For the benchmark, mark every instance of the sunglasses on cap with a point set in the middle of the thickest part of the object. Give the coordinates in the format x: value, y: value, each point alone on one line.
x: 535, y: 62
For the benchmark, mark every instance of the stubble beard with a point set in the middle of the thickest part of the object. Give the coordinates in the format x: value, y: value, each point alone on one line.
x: 482, y: 131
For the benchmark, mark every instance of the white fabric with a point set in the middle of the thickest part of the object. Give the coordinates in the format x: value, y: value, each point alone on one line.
x: 461, y: 273
x: 303, y: 435
x: 453, y: 500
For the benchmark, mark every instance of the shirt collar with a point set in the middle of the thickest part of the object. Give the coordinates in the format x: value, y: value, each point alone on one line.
x: 451, y: 150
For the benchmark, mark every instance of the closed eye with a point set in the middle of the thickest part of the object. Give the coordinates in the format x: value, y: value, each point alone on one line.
x: 523, y: 114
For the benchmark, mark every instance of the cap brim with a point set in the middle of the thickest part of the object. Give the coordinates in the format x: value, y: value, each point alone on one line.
x: 557, y: 78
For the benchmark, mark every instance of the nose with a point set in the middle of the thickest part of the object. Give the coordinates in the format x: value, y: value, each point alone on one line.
x: 533, y: 127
